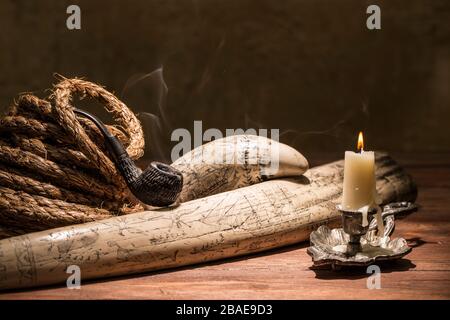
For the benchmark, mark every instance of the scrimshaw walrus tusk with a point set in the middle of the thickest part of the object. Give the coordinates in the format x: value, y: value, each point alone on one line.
x: 256, y: 218
x: 235, y: 162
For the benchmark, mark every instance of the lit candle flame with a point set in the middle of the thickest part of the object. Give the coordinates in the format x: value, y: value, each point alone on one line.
x: 360, y: 145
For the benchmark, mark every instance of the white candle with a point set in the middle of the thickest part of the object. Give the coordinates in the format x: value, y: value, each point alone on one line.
x: 359, y: 192
x: 359, y: 178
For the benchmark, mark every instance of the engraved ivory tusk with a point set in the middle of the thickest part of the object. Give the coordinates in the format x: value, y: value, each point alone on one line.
x: 234, y: 162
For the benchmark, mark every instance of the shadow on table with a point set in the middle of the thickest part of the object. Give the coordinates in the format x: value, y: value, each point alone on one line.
x: 361, y: 272
x: 417, y: 242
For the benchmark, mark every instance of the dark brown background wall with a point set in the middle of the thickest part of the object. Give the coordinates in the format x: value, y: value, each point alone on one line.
x: 309, y: 68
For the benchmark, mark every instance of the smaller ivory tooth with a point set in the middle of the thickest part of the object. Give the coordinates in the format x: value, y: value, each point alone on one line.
x: 234, y: 162
x: 291, y: 163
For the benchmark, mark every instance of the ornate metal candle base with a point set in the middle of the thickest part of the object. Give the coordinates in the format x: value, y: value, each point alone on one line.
x: 355, y: 224
x: 356, y: 244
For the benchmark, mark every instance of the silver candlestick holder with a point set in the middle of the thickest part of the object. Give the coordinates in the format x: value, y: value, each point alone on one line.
x: 358, y: 244
x: 354, y: 225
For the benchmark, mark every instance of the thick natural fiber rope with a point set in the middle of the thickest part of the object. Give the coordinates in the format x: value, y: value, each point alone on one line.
x: 54, y: 170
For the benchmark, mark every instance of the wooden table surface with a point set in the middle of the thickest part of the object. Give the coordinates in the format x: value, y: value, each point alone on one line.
x: 285, y: 273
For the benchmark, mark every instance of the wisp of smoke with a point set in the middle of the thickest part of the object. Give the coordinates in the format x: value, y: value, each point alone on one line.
x: 158, y: 87
x: 335, y: 130
x: 156, y: 127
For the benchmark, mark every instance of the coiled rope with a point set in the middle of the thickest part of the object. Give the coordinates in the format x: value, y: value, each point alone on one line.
x: 54, y: 168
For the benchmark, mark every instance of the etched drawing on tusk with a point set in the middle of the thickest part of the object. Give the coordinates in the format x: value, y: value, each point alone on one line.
x: 234, y: 162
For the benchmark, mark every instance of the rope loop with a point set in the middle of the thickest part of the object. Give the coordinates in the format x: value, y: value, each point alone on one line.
x: 54, y: 169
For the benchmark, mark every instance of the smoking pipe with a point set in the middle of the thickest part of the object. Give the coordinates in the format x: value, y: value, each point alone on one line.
x: 158, y: 185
